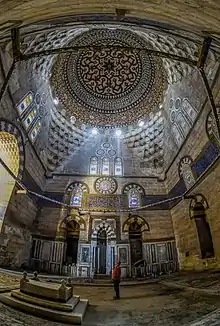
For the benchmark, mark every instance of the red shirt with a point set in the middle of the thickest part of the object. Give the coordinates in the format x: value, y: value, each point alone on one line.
x: 116, y: 274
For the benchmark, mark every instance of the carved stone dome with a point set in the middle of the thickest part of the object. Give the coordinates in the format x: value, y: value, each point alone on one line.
x: 110, y: 81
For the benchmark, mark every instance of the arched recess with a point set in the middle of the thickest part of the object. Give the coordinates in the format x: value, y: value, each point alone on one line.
x: 68, y: 232
x: 186, y: 172
x: 103, y: 242
x: 198, y: 209
x: 72, y: 239
x: 135, y: 226
x: 62, y: 227
x: 12, y: 153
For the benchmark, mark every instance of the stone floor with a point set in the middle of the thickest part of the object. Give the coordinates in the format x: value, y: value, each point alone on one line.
x: 203, y: 280
x: 8, y: 280
x: 152, y: 305
x: 140, y: 305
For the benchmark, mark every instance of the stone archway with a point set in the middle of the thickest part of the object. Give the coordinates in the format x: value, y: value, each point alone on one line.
x: 198, y: 208
x: 103, y: 245
x: 144, y: 226
x: 12, y: 154
x: 62, y: 226
x: 134, y: 226
x: 110, y: 232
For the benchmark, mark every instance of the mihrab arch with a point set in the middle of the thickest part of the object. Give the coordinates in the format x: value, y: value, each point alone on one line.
x: 110, y: 232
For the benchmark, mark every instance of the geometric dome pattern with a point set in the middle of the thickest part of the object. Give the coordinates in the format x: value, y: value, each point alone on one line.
x: 109, y: 81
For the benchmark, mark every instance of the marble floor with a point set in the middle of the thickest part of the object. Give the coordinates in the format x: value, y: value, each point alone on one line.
x: 144, y: 305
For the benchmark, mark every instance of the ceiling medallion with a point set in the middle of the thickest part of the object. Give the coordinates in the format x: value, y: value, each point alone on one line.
x: 106, y: 185
x: 107, y: 85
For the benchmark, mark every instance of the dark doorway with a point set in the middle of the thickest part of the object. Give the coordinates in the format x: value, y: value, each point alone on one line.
x: 204, y: 233
x: 101, y: 252
x: 73, y: 230
x: 135, y: 238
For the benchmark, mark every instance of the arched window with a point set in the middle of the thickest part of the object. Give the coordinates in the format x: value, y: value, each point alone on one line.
x: 185, y: 171
x: 211, y: 126
x: 35, y: 130
x: 93, y: 168
x: 189, y: 111
x: 118, y: 166
x: 105, y: 166
x: 9, y: 153
x: 72, y: 239
x: 77, y: 196
x: 24, y: 104
x: 134, y: 198
x: 183, y: 123
x: 30, y: 118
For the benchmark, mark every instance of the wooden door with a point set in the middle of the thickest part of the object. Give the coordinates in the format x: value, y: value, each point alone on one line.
x: 135, y: 238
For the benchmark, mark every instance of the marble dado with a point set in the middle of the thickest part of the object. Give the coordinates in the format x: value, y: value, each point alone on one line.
x: 95, y: 257
x: 160, y: 257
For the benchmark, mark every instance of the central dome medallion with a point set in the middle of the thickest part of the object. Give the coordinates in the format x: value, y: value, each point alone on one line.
x: 107, y: 82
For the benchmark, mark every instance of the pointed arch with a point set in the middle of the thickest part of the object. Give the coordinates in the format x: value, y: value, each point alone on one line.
x: 9, y: 127
x: 140, y: 221
x: 118, y: 166
x: 136, y: 186
x: 186, y: 172
x: 198, y: 198
x: 105, y: 166
x: 103, y: 226
x: 93, y: 166
x: 134, y: 192
x: 25, y: 103
x: 198, y: 208
x: 73, y: 217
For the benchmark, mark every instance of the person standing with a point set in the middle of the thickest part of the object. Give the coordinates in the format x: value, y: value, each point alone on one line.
x: 116, y: 278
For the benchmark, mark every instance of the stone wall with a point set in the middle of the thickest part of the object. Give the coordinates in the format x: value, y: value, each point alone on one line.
x: 16, y: 236
x: 185, y: 231
x: 196, y: 139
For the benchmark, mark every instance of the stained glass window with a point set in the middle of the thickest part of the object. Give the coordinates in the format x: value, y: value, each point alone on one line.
x: 189, y: 111
x: 35, y: 131
x: 25, y: 103
x: 30, y: 118
x: 76, y: 200
x: 105, y: 166
x: 134, y: 199
x: 93, y: 165
x: 188, y: 176
x: 118, y: 166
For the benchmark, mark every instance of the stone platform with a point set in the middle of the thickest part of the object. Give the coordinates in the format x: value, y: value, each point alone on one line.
x: 48, y: 300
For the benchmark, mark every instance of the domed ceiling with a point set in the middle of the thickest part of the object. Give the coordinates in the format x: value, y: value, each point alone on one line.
x: 106, y: 79
x: 110, y: 81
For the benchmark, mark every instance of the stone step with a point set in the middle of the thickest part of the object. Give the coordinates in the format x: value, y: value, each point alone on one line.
x: 80, y: 309
x: 74, y: 317
x: 68, y: 306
